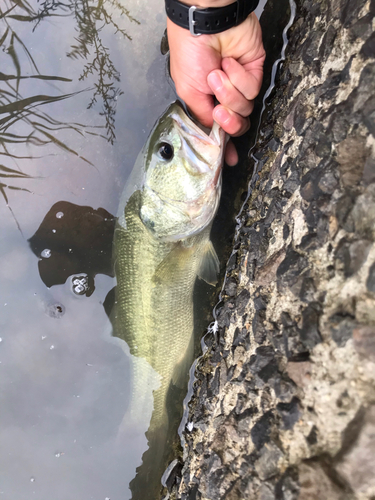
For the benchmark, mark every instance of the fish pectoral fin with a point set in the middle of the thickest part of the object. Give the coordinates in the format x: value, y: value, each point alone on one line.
x: 210, y: 266
x: 171, y: 265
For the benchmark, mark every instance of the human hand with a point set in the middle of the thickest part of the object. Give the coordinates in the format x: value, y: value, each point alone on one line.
x: 228, y: 65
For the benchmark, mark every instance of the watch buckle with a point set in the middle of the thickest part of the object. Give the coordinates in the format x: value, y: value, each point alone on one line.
x: 192, y: 22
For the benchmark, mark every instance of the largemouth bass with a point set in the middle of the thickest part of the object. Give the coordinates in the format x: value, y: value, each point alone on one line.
x: 161, y: 245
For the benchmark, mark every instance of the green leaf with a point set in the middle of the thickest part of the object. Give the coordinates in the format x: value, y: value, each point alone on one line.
x: 3, y: 168
x: 4, y: 14
x: 21, y: 18
x: 5, y: 77
x: 2, y: 39
x: 27, y: 52
x: 23, y: 103
x: 13, y: 54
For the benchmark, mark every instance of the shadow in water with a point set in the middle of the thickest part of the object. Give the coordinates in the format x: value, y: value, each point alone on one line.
x: 74, y: 240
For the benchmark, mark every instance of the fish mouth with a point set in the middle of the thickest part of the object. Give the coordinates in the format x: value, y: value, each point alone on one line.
x: 203, y: 151
x: 191, y: 130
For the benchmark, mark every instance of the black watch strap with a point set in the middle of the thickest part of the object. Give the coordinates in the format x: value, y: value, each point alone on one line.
x: 209, y: 21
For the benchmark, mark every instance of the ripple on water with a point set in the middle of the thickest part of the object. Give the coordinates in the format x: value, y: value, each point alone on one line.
x: 56, y: 310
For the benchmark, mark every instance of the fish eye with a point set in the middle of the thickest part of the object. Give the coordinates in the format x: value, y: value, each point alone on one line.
x: 165, y: 150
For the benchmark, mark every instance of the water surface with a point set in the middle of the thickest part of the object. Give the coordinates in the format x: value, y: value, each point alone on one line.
x: 64, y: 381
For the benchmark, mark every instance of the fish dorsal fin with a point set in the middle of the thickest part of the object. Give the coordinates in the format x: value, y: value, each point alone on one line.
x: 210, y: 266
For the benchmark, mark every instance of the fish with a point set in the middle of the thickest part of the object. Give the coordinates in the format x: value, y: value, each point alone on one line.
x: 161, y: 246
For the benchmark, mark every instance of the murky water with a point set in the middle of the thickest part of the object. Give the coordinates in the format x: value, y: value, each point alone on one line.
x: 81, y: 85
x: 64, y: 382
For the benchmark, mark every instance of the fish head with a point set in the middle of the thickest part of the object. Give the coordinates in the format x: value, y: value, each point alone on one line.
x: 182, y: 176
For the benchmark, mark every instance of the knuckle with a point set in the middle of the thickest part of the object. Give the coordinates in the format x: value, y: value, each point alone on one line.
x: 247, y: 109
x: 224, y: 94
x: 250, y: 94
x: 242, y: 107
x: 231, y: 99
x: 250, y: 107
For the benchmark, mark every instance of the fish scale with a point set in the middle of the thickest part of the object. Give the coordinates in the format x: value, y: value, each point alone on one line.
x: 154, y: 318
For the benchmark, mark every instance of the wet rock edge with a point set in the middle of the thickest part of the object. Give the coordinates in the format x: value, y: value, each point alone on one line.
x: 283, y: 403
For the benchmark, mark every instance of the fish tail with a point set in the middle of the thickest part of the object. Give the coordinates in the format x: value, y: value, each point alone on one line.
x: 147, y: 483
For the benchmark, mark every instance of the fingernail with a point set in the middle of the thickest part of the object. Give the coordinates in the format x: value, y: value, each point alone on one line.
x: 222, y: 116
x: 215, y: 81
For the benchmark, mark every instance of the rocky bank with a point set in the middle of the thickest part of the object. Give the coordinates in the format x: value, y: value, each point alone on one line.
x: 284, y: 397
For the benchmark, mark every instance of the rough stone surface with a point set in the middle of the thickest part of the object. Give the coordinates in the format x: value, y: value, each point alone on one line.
x: 283, y: 401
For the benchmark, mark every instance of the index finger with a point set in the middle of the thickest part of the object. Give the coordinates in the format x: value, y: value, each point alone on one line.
x: 246, y: 78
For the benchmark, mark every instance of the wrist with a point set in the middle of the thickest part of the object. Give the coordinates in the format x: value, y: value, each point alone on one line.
x: 208, y: 4
x: 208, y: 17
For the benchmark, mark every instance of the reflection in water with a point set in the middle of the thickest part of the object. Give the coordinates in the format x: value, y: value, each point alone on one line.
x: 65, y: 383
x: 89, y: 16
x: 25, y: 113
